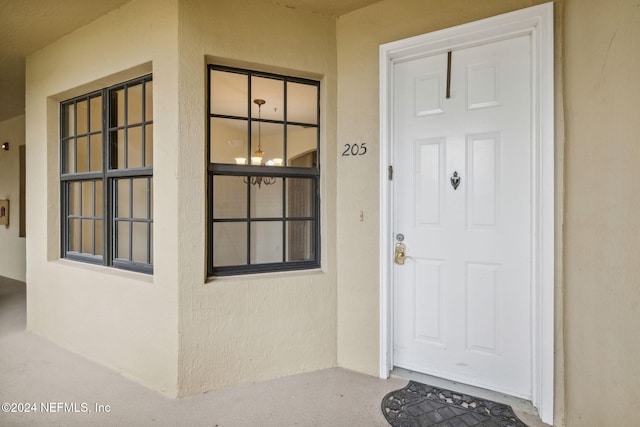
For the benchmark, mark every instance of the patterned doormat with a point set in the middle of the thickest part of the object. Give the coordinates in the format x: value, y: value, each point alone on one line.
x: 421, y: 405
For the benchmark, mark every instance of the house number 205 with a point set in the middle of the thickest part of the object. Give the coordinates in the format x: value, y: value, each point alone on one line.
x: 354, y: 150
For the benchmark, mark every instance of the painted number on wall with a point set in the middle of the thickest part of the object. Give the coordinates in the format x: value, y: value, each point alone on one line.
x: 354, y: 149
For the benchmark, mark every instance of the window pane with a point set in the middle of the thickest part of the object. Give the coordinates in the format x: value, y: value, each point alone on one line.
x: 230, y: 247
x: 228, y: 140
x: 69, y: 156
x: 117, y: 108
x: 87, y: 236
x: 300, y: 197
x: 122, y: 197
x: 87, y: 198
x: 230, y: 199
x: 151, y: 243
x: 95, y: 114
x: 96, y: 152
x: 268, y: 138
x: 300, y: 141
x: 74, y: 198
x: 117, y: 147
x: 148, y: 145
x: 271, y: 91
x: 82, y: 155
x: 266, y: 199
x: 99, y: 199
x: 99, y: 236
x: 300, y: 241
x: 70, y: 120
x: 266, y: 242
x: 134, y: 147
x: 148, y: 99
x: 302, y: 103
x: 74, y: 235
x: 229, y: 93
x: 134, y: 107
x: 140, y: 198
x: 140, y: 236
x: 123, y: 237
x: 82, y: 116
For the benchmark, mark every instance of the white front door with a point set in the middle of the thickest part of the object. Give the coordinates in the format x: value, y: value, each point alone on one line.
x: 462, y: 302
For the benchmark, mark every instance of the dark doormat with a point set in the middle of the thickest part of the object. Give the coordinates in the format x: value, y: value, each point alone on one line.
x: 421, y: 405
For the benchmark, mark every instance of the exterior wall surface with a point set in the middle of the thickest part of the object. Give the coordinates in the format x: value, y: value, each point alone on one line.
x: 249, y: 328
x: 602, y: 224
x: 125, y: 320
x: 180, y: 333
x: 12, y: 247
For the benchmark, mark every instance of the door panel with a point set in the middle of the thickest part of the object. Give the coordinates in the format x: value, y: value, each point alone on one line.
x: 462, y: 303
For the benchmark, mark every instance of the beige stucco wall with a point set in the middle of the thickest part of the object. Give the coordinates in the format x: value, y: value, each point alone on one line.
x: 602, y: 223
x: 124, y: 320
x: 12, y: 247
x: 235, y: 330
x: 179, y: 333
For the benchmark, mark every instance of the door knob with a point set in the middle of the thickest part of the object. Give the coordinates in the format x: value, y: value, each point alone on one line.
x: 400, y: 253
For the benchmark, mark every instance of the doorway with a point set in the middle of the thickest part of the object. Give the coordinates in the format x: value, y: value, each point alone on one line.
x: 467, y: 198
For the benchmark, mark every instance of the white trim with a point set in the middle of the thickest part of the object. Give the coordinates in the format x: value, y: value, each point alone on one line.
x: 536, y: 21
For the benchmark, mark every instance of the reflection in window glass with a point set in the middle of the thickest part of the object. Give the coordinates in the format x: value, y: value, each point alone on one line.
x: 82, y: 155
x: 266, y: 200
x: 232, y: 202
x: 134, y: 147
x: 266, y: 242
x: 272, y: 92
x: 231, y: 91
x: 95, y: 148
x: 228, y: 141
x: 300, y: 241
x: 302, y: 103
x: 231, y: 243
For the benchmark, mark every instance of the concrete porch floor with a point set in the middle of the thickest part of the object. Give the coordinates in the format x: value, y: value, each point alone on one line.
x: 34, y: 370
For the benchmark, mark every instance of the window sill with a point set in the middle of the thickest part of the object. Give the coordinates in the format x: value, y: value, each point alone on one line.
x: 101, y: 269
x: 250, y: 277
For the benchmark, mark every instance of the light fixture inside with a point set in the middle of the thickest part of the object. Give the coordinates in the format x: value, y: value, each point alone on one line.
x: 5, y: 146
x: 256, y: 158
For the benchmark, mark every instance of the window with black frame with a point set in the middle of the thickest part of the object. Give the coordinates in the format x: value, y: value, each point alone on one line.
x: 263, y: 173
x: 106, y: 176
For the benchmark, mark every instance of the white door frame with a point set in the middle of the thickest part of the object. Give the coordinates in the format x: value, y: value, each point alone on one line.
x: 537, y: 22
